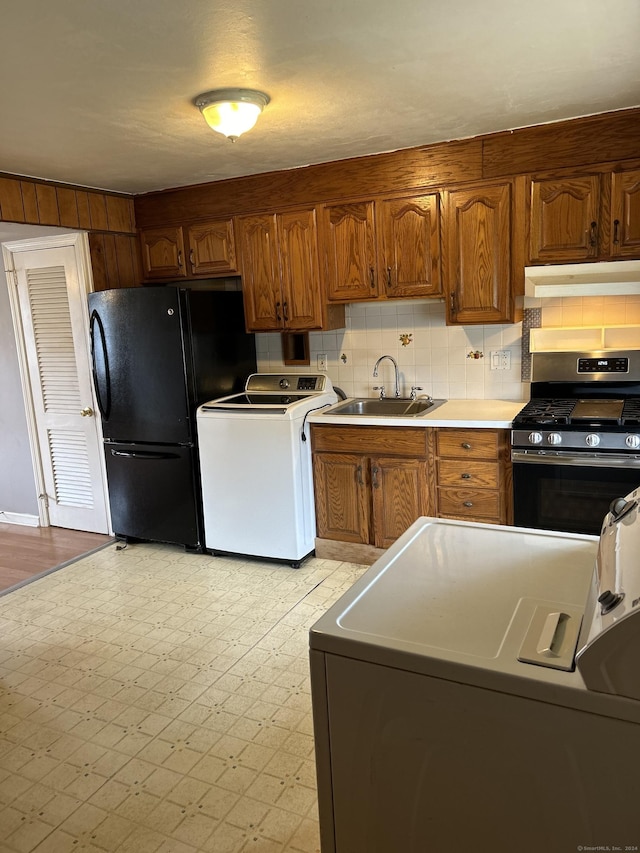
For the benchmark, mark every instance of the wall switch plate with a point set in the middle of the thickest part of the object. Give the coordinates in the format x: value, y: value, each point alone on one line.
x: 322, y: 361
x: 500, y: 360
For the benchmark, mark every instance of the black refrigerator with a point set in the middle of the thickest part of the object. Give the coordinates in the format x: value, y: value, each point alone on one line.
x: 158, y: 353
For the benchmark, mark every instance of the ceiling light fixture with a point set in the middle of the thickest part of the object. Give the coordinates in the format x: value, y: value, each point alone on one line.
x: 231, y: 111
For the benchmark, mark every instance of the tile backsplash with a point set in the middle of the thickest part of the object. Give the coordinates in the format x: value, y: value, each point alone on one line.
x: 445, y: 361
x: 453, y: 362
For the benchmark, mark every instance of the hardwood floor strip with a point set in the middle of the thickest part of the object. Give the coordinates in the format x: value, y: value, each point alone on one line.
x: 27, y: 553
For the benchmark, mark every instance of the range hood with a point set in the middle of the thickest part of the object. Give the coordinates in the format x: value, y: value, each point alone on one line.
x: 604, y: 278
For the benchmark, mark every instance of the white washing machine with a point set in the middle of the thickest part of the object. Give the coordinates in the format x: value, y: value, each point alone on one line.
x: 478, y: 688
x: 255, y: 461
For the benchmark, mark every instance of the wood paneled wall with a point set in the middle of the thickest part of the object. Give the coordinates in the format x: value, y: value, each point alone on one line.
x: 605, y: 137
x: 109, y: 218
x: 42, y: 203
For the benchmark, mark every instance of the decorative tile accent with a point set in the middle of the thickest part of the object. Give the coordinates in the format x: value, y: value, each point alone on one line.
x: 531, y: 319
x: 152, y: 700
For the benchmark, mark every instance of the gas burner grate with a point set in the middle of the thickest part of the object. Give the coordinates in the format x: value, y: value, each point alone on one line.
x: 631, y: 412
x: 546, y: 412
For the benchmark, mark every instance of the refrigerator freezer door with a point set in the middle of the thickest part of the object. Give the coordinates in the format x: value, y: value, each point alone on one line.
x: 153, y: 493
x: 140, y: 365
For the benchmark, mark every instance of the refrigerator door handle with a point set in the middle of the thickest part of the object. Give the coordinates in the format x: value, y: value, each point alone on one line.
x: 105, y: 410
x: 143, y: 454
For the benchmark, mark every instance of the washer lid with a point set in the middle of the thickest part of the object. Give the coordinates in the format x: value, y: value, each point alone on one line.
x: 449, y: 590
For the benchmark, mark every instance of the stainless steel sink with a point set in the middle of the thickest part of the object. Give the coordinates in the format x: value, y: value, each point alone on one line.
x: 390, y: 407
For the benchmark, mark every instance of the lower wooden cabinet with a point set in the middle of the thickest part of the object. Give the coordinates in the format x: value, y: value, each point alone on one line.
x: 473, y: 475
x: 369, y: 498
x: 372, y: 483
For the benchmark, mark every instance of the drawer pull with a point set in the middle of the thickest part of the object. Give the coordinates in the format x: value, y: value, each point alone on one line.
x: 465, y: 445
x: 465, y: 476
x: 468, y: 503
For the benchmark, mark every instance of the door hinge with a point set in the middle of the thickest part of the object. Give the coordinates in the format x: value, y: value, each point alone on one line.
x: 44, y: 497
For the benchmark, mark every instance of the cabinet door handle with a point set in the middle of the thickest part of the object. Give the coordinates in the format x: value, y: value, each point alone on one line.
x: 465, y: 476
x: 388, y: 276
x: 468, y: 503
x: 593, y: 234
x: 278, y: 315
x: 465, y: 445
x: 616, y: 227
x: 180, y: 258
x: 372, y: 277
x: 359, y: 475
x: 285, y: 311
x: 452, y: 302
x: 374, y: 477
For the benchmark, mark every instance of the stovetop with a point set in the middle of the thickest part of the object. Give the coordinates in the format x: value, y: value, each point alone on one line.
x: 588, y: 413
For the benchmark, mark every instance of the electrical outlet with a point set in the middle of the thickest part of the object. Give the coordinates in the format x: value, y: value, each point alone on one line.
x: 500, y: 360
x: 322, y: 362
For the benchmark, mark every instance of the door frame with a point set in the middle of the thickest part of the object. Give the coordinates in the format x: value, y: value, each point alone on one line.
x: 79, y: 242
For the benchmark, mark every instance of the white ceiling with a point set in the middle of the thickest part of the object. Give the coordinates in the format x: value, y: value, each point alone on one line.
x: 100, y: 94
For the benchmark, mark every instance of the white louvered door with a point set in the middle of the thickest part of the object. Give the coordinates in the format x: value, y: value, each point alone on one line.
x: 53, y: 309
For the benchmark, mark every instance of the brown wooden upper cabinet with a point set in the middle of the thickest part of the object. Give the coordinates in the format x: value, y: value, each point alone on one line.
x: 280, y: 273
x: 477, y: 254
x: 625, y: 214
x: 204, y: 249
x: 585, y: 217
x: 383, y: 249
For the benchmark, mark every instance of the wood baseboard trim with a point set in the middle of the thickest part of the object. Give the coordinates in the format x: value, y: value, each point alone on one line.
x: 347, y: 552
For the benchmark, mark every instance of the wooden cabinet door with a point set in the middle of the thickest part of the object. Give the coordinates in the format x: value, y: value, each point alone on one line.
x: 348, y: 248
x: 258, y: 246
x: 477, y: 255
x: 212, y: 248
x: 409, y: 245
x: 301, y: 288
x: 625, y: 214
x: 342, y: 496
x: 399, y: 496
x: 162, y: 253
x: 564, y: 223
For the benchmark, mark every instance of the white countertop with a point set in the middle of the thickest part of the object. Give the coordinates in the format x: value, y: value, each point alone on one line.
x: 496, y: 414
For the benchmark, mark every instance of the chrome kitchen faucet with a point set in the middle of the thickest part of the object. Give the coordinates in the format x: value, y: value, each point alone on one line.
x: 397, y: 376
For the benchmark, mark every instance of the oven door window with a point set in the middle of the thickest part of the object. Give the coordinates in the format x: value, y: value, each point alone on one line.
x: 573, y: 499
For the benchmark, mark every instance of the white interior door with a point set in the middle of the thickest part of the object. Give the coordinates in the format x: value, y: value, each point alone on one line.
x: 51, y: 279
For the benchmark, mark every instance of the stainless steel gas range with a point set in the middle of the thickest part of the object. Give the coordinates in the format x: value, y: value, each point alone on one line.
x: 576, y: 444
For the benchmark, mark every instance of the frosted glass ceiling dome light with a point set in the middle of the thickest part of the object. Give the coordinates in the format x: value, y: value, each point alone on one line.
x: 231, y: 112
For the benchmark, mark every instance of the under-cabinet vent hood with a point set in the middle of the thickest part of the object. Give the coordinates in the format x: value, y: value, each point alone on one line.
x: 606, y: 278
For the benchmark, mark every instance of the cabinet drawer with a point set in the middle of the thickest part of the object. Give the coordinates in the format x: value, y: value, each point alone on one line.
x: 469, y: 504
x: 463, y: 472
x: 478, y: 443
x: 399, y: 441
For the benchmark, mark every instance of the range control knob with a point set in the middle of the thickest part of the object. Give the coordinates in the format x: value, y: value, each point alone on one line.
x: 632, y: 441
x: 554, y: 438
x: 593, y: 439
x: 535, y: 438
x: 284, y: 383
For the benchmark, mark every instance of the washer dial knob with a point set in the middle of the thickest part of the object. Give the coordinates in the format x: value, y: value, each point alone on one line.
x: 593, y: 439
x: 284, y: 383
x: 554, y: 438
x: 632, y: 441
x: 535, y: 438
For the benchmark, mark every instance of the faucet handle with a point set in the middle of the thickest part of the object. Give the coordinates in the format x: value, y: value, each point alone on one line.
x: 415, y: 388
x: 380, y: 388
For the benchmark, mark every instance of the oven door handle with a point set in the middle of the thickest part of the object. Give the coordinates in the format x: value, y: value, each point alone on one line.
x: 582, y: 460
